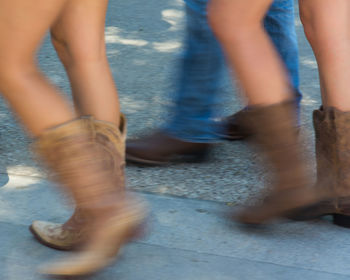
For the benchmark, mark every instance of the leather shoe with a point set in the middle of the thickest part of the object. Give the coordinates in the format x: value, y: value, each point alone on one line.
x: 159, y: 148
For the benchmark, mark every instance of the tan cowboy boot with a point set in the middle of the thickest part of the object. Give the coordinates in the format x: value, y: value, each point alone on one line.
x: 332, y: 137
x: 83, y: 167
x: 274, y: 131
x: 70, y: 235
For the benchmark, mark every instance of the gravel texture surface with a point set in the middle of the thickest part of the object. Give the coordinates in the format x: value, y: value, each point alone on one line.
x: 143, y: 43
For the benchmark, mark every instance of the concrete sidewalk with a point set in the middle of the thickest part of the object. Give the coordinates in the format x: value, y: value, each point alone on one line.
x: 187, y: 239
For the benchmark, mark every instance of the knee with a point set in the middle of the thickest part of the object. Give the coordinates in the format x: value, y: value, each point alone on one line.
x: 219, y: 22
x: 228, y: 24
x: 13, y: 71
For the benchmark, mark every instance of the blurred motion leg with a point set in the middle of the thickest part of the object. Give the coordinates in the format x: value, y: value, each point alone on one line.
x: 189, y: 131
x: 280, y: 26
x: 273, y: 131
x: 84, y: 58
x: 238, y: 26
x: 79, y: 163
x: 193, y: 124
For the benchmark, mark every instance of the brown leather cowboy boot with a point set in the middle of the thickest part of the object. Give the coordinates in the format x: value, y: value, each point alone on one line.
x: 274, y: 131
x: 84, y: 167
x: 70, y: 235
x: 332, y: 137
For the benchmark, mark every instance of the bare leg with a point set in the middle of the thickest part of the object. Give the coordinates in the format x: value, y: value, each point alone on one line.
x: 83, y: 54
x: 79, y: 163
x: 37, y: 103
x: 326, y: 24
x: 78, y: 37
x: 238, y: 26
x: 271, y: 119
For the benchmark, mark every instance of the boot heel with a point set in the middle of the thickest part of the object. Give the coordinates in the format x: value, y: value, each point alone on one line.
x: 341, y: 220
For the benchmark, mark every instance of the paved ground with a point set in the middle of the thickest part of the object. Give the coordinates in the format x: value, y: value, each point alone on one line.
x: 188, y: 237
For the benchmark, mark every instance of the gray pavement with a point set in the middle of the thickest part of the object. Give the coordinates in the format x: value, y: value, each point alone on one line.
x: 188, y: 236
x: 187, y: 239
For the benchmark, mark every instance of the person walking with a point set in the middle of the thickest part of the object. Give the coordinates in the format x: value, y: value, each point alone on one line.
x: 192, y: 127
x: 86, y: 155
x: 271, y: 117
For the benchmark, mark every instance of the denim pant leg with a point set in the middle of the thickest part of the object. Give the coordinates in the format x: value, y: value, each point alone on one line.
x: 198, y: 89
x: 279, y: 23
x: 199, y: 80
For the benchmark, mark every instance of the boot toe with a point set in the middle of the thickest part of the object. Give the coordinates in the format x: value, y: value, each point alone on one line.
x: 42, y: 229
x: 53, y: 235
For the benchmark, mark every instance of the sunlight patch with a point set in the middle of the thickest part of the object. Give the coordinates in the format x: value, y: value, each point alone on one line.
x: 112, y: 36
x: 20, y: 182
x: 308, y: 62
x: 174, y: 18
x: 169, y: 46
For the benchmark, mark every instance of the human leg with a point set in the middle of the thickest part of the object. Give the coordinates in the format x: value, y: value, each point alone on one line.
x: 279, y: 24
x: 83, y: 54
x: 271, y: 115
x: 22, y: 84
x: 64, y: 144
x: 200, y: 80
x: 331, y: 48
x: 190, y: 129
x: 326, y: 27
x: 84, y: 57
x: 192, y: 115
x: 266, y: 83
x: 203, y: 63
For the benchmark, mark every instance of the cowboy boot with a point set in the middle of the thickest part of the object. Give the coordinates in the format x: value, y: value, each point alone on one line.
x: 70, y: 235
x: 84, y: 167
x: 332, y: 142
x: 274, y: 131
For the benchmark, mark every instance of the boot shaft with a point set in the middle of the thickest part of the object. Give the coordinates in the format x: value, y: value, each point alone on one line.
x: 274, y: 130
x: 332, y: 143
x: 85, y: 161
x: 112, y: 139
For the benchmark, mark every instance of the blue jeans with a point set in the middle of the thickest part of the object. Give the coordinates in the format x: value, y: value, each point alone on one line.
x: 197, y: 94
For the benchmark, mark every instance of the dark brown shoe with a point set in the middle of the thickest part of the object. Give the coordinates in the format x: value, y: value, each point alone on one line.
x: 230, y: 127
x: 160, y: 148
x: 332, y: 137
x: 276, y: 134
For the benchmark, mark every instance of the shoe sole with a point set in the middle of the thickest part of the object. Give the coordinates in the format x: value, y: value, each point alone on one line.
x: 189, y: 158
x: 139, y: 217
x: 133, y: 159
x: 231, y: 138
x: 139, y: 232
